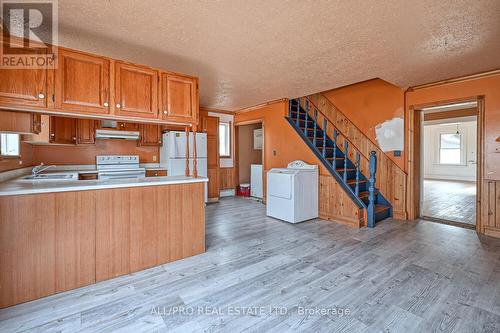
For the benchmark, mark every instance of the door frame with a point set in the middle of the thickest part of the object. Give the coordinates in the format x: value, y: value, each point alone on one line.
x: 414, y: 158
x: 237, y: 153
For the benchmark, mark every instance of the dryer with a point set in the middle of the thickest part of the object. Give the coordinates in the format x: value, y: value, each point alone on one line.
x: 292, y: 192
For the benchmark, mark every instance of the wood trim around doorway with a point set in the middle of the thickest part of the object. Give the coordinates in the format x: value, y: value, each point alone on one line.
x: 414, y: 116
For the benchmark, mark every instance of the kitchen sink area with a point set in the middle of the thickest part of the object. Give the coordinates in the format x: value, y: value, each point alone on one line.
x: 69, y: 176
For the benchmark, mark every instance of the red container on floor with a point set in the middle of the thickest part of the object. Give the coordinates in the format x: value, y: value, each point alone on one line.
x: 243, y: 190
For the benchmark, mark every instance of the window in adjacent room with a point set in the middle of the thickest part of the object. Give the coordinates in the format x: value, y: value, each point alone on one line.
x: 225, y: 139
x: 9, y: 144
x: 450, y: 149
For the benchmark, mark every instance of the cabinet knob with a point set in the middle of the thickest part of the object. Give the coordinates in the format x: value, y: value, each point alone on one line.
x: 165, y: 112
x: 52, y: 134
x: 74, y: 138
x: 118, y: 106
x: 106, y: 104
x: 41, y: 96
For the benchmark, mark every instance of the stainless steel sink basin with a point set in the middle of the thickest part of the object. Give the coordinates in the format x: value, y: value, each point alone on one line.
x: 51, y: 176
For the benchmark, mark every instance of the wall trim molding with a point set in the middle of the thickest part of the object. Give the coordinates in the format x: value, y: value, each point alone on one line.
x: 456, y: 79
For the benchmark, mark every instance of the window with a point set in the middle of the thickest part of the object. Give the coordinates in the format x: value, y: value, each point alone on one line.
x: 224, y: 139
x: 450, y: 149
x: 9, y: 144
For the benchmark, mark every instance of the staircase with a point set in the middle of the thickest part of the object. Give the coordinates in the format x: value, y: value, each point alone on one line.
x: 340, y: 157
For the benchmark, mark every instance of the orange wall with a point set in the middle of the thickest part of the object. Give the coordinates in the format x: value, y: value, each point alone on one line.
x: 489, y: 87
x: 85, y: 154
x: 368, y: 104
x: 279, y: 137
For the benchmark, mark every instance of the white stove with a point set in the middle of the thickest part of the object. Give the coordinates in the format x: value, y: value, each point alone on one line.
x: 119, y: 167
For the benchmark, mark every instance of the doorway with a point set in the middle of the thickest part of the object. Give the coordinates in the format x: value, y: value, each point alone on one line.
x: 250, y: 157
x: 445, y: 162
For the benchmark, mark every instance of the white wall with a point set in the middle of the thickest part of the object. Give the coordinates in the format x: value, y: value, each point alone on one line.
x: 432, y: 169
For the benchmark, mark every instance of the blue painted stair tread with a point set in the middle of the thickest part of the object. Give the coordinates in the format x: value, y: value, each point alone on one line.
x: 345, y: 171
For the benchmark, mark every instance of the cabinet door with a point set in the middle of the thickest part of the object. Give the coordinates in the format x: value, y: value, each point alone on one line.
x: 23, y: 87
x: 211, y: 126
x: 150, y: 135
x: 85, y: 131
x: 128, y: 126
x: 62, y: 130
x: 82, y: 83
x: 36, y: 123
x: 136, y: 91
x: 178, y: 97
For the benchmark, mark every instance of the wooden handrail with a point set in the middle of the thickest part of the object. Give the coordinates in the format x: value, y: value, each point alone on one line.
x: 353, y: 124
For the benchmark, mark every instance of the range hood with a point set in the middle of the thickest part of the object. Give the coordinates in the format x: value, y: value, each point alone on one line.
x: 114, y: 134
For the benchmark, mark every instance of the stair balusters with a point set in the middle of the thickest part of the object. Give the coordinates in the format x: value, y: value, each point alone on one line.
x: 334, y: 161
x: 298, y: 112
x: 315, y: 127
x: 290, y: 108
x: 325, y: 124
x: 346, y: 147
x: 307, y: 114
x: 356, y: 191
x: 371, y: 190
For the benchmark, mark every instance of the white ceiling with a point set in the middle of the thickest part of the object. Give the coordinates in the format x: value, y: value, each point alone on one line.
x: 249, y: 52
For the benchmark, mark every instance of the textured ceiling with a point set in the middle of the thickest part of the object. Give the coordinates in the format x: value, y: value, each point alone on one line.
x: 249, y: 52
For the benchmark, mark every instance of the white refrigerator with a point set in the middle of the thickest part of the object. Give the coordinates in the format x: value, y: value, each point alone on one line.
x: 173, y: 154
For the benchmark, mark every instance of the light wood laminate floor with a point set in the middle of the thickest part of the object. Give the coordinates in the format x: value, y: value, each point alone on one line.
x: 450, y: 200
x: 413, y: 276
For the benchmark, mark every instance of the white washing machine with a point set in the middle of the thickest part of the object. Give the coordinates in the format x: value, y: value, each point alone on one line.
x: 292, y: 192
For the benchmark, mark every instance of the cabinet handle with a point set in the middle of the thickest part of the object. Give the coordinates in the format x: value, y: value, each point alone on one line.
x: 41, y: 96
x: 118, y: 106
x: 106, y: 104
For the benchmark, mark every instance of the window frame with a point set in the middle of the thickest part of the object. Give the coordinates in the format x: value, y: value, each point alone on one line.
x: 229, y: 138
x: 462, y: 149
x: 18, y: 156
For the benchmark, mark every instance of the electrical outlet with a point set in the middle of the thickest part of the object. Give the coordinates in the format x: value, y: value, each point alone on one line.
x: 154, y: 158
x: 397, y: 153
x: 274, y: 152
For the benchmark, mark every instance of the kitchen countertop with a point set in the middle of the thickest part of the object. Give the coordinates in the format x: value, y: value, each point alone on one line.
x: 17, y: 187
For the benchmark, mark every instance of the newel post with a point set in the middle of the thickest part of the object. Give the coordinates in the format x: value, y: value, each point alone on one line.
x: 371, y: 190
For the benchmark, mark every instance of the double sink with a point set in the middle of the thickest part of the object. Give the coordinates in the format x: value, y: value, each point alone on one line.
x: 51, y: 177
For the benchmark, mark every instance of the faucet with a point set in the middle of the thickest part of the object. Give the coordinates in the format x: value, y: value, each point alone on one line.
x: 39, y: 168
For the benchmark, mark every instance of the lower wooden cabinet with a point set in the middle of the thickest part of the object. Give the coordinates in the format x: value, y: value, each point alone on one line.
x: 47, y: 244
x: 54, y: 242
x: 156, y: 173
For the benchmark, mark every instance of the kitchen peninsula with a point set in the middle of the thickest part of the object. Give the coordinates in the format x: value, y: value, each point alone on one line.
x: 61, y: 235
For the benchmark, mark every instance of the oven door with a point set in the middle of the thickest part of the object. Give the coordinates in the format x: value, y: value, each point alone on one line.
x: 121, y: 174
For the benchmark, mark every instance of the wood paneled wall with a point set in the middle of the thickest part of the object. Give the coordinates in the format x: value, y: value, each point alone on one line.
x: 54, y: 242
x: 335, y: 204
x: 390, y: 178
x: 227, y: 179
x: 490, y: 208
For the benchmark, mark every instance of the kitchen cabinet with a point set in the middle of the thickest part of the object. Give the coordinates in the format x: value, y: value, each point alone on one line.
x: 178, y: 97
x: 47, y: 244
x: 150, y: 135
x: 122, y: 126
x: 136, y: 91
x: 85, y: 131
x: 19, y: 122
x: 156, y: 173
x: 62, y: 130
x: 82, y: 83
x: 24, y: 87
x: 211, y: 127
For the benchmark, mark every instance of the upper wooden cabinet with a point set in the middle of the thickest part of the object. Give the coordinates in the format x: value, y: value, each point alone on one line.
x: 23, y: 87
x: 179, y: 97
x: 85, y: 131
x: 62, y: 130
x: 82, y: 83
x: 136, y: 91
x: 150, y: 135
x: 86, y: 84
